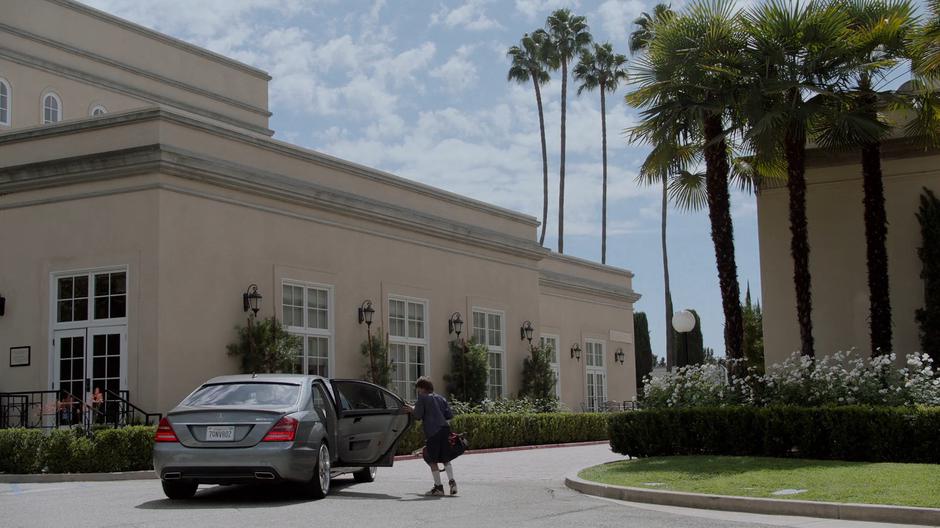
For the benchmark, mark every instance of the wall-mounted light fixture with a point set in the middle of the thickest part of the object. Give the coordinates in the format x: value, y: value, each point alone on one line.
x: 618, y: 356
x: 455, y: 324
x: 576, y: 351
x: 3, y: 305
x: 251, y: 299
x: 525, y: 331
x: 366, y: 311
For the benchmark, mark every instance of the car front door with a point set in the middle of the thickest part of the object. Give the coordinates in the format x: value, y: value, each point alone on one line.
x: 370, y: 423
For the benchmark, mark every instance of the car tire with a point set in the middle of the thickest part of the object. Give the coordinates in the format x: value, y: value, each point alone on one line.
x: 319, y: 484
x: 180, y: 489
x: 366, y: 474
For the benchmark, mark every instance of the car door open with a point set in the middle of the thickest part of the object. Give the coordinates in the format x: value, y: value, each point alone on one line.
x: 370, y: 423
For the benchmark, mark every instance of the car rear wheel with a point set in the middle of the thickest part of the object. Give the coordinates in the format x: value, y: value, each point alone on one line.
x: 180, y: 489
x: 366, y: 474
x: 319, y: 484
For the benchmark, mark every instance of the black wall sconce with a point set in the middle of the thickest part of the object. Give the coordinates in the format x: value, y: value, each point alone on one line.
x: 576, y: 351
x: 3, y: 305
x: 251, y: 299
x: 455, y: 324
x: 525, y: 331
x: 619, y: 355
x: 366, y: 311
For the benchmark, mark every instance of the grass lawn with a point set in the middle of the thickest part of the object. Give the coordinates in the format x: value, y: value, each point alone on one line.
x: 822, y: 480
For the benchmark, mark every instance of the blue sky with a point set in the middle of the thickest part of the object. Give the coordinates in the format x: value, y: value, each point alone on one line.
x: 418, y: 88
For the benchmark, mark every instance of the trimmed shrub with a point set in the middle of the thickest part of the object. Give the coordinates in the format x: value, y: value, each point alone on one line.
x: 874, y: 434
x: 125, y: 449
x: 470, y: 366
x: 68, y: 451
x: 486, y: 431
x: 20, y: 450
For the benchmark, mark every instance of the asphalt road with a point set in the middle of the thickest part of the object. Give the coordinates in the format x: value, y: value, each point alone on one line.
x: 515, y: 489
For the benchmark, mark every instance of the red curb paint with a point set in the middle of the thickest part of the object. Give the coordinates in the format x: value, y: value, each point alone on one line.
x: 514, y: 448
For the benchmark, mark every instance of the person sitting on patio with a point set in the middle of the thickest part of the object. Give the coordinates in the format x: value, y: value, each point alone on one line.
x: 67, y: 410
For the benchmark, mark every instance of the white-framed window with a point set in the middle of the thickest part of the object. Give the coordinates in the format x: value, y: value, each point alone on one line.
x: 51, y: 108
x: 97, y: 110
x: 488, y: 329
x: 90, y: 296
x: 596, y: 375
x: 550, y: 343
x: 307, y: 312
x: 407, y: 343
x: 6, y: 102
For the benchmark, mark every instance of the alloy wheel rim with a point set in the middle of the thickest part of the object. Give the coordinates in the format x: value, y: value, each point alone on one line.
x: 324, y: 469
x: 372, y: 470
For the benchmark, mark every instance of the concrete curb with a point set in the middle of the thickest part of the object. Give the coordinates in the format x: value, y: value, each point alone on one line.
x: 45, y: 478
x: 800, y: 508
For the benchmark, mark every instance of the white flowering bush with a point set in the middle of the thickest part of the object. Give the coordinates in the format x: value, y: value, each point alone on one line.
x: 843, y: 378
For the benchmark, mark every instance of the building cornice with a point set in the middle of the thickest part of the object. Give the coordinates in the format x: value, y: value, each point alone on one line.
x: 94, y: 80
x: 266, y: 143
x: 188, y: 165
x: 571, y: 283
x: 160, y: 37
x: 131, y: 69
x: 577, y: 261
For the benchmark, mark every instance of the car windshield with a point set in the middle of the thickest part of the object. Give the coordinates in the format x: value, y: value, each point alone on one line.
x: 253, y: 394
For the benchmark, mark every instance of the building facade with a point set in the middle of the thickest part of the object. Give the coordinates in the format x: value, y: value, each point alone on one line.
x: 141, y: 193
x: 837, y: 251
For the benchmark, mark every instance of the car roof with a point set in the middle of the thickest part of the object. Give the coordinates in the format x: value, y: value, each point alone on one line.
x: 293, y: 379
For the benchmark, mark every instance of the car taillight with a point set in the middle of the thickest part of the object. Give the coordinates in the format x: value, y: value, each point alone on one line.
x: 283, y: 431
x: 165, y: 432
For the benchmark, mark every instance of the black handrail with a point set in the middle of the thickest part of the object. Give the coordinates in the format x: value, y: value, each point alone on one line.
x: 51, y: 409
x: 135, y: 409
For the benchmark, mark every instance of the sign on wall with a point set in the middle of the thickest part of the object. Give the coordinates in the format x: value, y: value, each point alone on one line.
x: 19, y: 356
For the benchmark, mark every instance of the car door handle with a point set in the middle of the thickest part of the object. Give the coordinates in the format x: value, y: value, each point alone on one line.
x: 357, y: 419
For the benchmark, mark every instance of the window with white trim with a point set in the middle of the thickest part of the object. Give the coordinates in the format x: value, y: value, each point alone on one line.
x: 51, y: 108
x: 596, y: 376
x: 488, y: 330
x: 550, y: 343
x: 407, y: 343
x: 6, y: 98
x: 107, y: 297
x: 307, y: 313
x: 98, y: 110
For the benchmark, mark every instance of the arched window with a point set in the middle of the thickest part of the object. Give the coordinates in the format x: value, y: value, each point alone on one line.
x: 51, y: 109
x: 5, y: 102
x: 98, y: 110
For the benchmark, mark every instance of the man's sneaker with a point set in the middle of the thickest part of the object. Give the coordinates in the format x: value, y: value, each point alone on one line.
x: 436, y: 491
x: 453, y: 487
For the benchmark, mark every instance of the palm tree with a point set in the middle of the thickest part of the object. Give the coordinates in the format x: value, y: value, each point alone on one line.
x: 927, y: 62
x: 795, y: 50
x: 568, y: 34
x: 639, y: 42
x: 528, y: 61
x: 882, y: 32
x: 686, y: 94
x: 601, y: 68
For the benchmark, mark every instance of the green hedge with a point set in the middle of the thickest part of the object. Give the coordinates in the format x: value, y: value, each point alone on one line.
x: 71, y: 451
x: 509, y: 430
x: 875, y: 434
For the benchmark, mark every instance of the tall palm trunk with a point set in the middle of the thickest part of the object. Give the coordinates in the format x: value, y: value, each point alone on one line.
x: 561, y: 170
x: 670, y: 336
x: 719, y: 213
x: 876, y: 233
x: 795, y: 152
x: 604, y: 199
x: 538, y: 99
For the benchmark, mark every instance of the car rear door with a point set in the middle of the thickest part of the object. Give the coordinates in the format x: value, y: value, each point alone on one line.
x: 370, y: 423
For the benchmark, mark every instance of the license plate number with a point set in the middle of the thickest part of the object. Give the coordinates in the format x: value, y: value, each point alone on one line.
x: 220, y: 434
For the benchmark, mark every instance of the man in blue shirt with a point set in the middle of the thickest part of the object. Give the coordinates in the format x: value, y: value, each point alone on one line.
x: 433, y: 411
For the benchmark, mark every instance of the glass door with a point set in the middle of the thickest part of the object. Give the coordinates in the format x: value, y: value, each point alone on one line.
x: 69, y: 375
x: 105, y: 371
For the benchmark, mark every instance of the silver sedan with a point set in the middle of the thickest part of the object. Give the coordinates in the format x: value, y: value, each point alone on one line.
x: 277, y: 427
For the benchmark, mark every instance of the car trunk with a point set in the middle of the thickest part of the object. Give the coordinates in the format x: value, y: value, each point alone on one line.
x: 213, y: 427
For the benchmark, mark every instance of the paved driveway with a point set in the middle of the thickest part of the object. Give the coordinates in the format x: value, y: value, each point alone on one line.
x: 515, y: 489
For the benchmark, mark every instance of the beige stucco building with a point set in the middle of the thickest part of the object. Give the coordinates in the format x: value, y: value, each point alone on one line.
x: 141, y: 193
x: 837, y: 251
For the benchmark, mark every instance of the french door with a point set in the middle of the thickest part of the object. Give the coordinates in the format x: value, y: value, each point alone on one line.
x: 89, y: 361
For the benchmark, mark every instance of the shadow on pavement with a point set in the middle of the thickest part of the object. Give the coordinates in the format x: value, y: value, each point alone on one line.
x: 256, y: 496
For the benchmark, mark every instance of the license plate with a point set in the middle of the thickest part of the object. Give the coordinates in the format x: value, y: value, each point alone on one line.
x: 220, y: 434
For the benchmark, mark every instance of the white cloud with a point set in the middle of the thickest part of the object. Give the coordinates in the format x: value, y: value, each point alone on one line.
x: 470, y: 16
x: 617, y: 17
x: 459, y: 73
x: 540, y: 9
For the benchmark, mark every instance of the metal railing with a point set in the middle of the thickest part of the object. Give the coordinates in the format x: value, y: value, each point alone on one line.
x: 53, y: 409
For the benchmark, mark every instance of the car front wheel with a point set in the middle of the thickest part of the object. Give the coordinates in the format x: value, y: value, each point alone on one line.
x: 180, y: 489
x: 319, y: 485
x: 366, y: 474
